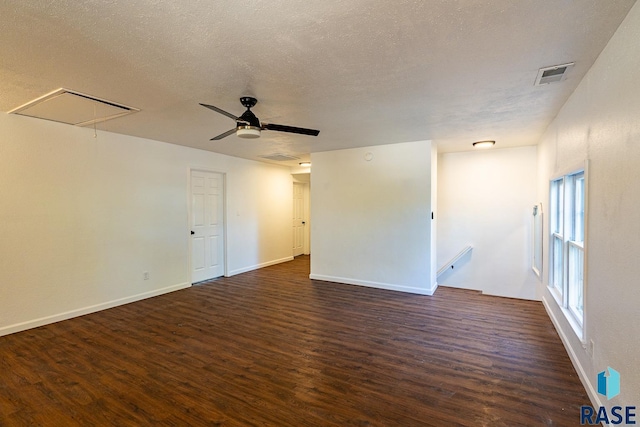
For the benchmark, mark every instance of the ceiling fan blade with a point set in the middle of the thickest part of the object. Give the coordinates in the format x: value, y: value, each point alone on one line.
x: 218, y: 110
x: 223, y: 135
x: 290, y: 129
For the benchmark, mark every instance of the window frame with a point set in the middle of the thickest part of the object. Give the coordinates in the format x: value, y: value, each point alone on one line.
x: 556, y: 223
x: 567, y: 224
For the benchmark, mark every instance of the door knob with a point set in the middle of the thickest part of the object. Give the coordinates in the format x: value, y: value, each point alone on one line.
x: 193, y: 232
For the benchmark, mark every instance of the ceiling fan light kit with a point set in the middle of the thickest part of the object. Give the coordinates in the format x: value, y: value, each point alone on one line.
x: 248, y: 132
x: 248, y: 126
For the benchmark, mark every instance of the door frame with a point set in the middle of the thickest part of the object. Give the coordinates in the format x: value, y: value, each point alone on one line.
x: 224, y: 219
x: 307, y: 218
x: 306, y: 192
x: 303, y: 187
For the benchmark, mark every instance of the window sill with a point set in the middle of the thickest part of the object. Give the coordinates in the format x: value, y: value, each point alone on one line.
x: 577, y: 328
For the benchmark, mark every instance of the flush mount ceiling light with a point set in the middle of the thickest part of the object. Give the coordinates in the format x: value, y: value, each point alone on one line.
x: 484, y: 144
x: 305, y: 164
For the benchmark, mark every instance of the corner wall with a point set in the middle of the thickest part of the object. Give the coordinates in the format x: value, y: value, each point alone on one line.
x: 371, y: 217
x: 600, y: 122
x: 81, y: 218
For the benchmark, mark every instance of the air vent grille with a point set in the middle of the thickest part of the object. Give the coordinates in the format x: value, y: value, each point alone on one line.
x: 280, y: 157
x: 74, y: 108
x: 553, y: 74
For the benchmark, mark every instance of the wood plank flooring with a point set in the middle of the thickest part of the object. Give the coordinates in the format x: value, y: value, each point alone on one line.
x: 273, y: 348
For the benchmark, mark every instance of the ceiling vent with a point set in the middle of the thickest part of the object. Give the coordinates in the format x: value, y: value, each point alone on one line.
x: 279, y: 157
x: 553, y: 74
x: 74, y: 108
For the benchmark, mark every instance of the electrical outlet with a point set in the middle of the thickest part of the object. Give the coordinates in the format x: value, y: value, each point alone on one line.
x: 145, y: 275
x: 590, y: 348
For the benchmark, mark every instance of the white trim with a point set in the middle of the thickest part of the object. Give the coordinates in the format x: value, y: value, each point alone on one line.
x: 584, y: 378
x: 258, y: 266
x: 555, y: 293
x: 379, y: 285
x: 585, y: 250
x: 575, y: 316
x: 454, y: 260
x: 537, y: 272
x: 18, y: 327
x: 582, y: 165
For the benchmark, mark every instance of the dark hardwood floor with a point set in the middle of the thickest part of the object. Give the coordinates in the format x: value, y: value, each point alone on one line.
x: 273, y: 348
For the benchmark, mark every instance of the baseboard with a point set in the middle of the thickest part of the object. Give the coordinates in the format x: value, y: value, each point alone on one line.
x: 433, y: 288
x: 392, y: 287
x: 19, y: 327
x: 575, y: 361
x: 258, y: 266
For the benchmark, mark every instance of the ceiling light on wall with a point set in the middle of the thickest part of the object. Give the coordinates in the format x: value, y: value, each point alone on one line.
x: 484, y: 144
x: 305, y: 164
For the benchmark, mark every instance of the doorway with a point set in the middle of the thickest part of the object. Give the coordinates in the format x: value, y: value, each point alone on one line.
x: 299, y: 222
x: 300, y: 218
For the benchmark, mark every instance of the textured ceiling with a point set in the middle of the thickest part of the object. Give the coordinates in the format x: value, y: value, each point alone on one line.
x: 363, y: 72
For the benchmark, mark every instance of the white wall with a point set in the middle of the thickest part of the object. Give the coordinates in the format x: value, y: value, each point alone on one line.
x: 82, y: 218
x: 371, y: 219
x: 485, y: 199
x: 601, y: 122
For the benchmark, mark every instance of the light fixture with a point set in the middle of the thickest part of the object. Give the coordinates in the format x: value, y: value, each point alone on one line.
x: 305, y: 164
x: 248, y: 132
x: 484, y: 144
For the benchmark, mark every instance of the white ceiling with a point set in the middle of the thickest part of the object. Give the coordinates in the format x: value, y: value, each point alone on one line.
x: 363, y: 72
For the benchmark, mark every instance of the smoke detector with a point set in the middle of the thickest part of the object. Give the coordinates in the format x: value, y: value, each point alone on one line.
x: 553, y: 74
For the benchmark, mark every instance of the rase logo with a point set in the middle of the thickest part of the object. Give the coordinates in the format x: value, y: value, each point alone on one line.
x: 608, y: 386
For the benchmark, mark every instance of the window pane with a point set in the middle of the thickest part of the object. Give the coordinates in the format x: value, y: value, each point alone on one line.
x: 556, y: 206
x: 576, y: 284
x: 556, y: 275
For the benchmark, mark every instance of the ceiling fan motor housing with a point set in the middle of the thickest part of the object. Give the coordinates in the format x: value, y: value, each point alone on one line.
x: 248, y: 119
x: 248, y: 101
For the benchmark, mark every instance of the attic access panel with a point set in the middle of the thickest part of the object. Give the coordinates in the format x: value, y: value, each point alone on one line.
x: 74, y: 108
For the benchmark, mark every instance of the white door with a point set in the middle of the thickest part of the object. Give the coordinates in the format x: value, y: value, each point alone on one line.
x: 298, y: 219
x: 207, y: 231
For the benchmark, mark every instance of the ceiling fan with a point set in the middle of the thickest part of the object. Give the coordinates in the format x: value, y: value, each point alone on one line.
x: 248, y: 125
